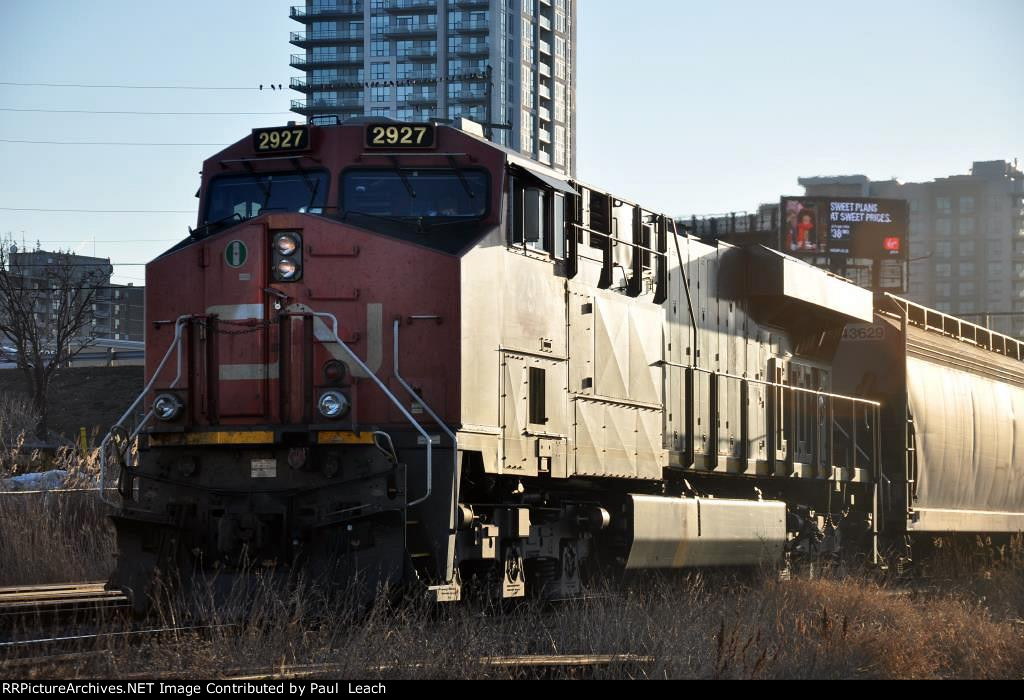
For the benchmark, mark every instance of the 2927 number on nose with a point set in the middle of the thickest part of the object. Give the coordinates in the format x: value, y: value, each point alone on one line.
x: 400, y: 135
x: 282, y: 138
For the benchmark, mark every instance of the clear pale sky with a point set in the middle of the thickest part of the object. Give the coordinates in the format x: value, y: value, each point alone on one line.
x: 688, y: 107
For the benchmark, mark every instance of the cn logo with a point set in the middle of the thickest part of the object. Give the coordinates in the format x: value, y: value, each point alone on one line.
x: 235, y: 254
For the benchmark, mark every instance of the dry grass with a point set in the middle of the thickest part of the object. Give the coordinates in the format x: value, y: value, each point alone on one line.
x: 698, y: 626
x: 53, y: 537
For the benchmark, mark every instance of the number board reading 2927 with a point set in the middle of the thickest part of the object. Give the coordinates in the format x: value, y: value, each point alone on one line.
x: 281, y: 138
x: 396, y: 135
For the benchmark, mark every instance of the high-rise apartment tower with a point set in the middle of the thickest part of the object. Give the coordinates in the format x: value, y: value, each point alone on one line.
x: 508, y: 64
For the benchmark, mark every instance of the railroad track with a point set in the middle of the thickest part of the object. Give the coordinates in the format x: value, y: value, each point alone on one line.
x: 59, y: 598
x: 538, y: 662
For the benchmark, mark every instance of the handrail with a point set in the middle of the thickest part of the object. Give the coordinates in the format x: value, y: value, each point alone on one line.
x: 764, y: 382
x: 437, y: 419
x: 871, y: 408
x: 175, y: 345
x: 616, y: 240
x: 387, y: 392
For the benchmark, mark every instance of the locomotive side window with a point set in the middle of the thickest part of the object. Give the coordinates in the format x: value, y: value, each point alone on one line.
x: 247, y: 196
x: 558, y: 225
x: 537, y: 218
x: 535, y: 234
x: 538, y: 412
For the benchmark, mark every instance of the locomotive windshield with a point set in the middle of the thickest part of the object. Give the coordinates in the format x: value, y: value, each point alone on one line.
x: 246, y: 196
x: 409, y: 193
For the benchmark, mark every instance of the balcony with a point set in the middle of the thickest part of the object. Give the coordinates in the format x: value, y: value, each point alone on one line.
x: 544, y: 91
x: 544, y: 69
x: 301, y: 13
x: 308, y: 107
x: 469, y: 26
x: 476, y: 4
x: 304, y: 62
x: 324, y: 38
x: 414, y: 5
x: 419, y: 75
x: 418, y: 53
x: 544, y: 135
x: 401, y: 30
x: 467, y: 96
x: 545, y: 47
x: 332, y: 83
x: 474, y: 49
x: 422, y: 97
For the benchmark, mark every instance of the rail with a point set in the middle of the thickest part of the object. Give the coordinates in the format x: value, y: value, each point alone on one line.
x: 790, y: 420
x: 389, y: 394
x: 119, y: 427
x: 957, y: 328
x: 430, y: 412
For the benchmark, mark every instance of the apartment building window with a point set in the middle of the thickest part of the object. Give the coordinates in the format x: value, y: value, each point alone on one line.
x: 380, y: 111
x: 967, y: 249
x: 324, y: 30
x: 967, y: 205
x: 404, y: 114
x: 995, y: 269
x: 380, y: 71
x: 942, y: 306
x: 966, y: 289
x: 943, y: 227
x: 380, y: 48
x: 968, y: 307
x: 944, y: 270
x: 966, y: 269
x: 325, y: 98
x: 379, y: 24
x: 942, y: 290
x: 967, y: 226
x: 943, y: 249
x: 380, y: 94
x: 323, y: 77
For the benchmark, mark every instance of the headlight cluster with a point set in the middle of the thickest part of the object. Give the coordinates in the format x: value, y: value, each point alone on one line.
x: 332, y: 404
x: 287, y: 256
x: 167, y: 407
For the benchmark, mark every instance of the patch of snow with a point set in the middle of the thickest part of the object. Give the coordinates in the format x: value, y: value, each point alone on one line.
x: 35, y: 481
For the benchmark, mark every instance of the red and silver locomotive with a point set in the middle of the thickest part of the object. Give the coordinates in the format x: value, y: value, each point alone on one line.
x: 401, y: 354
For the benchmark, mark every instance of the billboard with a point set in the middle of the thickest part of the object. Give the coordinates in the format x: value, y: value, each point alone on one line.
x: 845, y: 227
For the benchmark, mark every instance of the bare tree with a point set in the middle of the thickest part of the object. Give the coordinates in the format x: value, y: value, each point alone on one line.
x: 45, y: 312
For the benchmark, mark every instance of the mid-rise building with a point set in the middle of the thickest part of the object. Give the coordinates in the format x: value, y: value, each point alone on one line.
x: 507, y: 64
x: 116, y: 312
x: 966, y: 249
